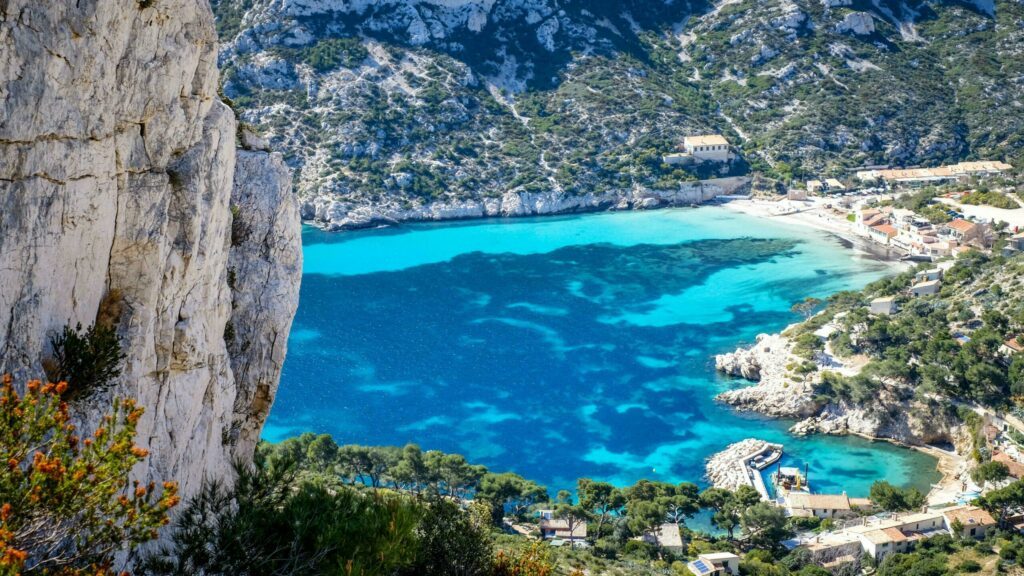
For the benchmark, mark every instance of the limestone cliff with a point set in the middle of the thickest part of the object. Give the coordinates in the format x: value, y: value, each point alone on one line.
x: 118, y: 177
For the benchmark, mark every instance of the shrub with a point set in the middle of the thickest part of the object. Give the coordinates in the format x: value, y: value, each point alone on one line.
x: 534, y: 561
x: 969, y: 566
x: 67, y: 504
x: 87, y: 361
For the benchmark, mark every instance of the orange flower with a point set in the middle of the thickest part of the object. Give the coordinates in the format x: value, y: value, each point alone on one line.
x: 62, y: 387
x: 140, y: 491
x: 139, y: 452
x: 5, y: 511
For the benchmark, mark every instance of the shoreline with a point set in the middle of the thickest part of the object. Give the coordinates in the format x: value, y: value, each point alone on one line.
x: 949, y: 464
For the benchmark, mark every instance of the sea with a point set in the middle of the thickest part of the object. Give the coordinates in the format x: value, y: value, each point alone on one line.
x: 563, y: 347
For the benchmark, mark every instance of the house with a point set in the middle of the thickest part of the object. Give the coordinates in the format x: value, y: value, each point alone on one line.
x: 834, y: 185
x: 974, y: 522
x: 930, y: 274
x: 802, y: 504
x: 883, y: 306
x: 925, y: 288
x: 708, y: 147
x: 667, y: 537
x: 796, y: 194
x: 880, y: 543
x: 715, y: 564
x: 1016, y: 241
x: 882, y: 233
x: 964, y: 231
x: 1016, y: 468
x: 558, y: 528
x: 1010, y: 348
x: 814, y: 186
x: 921, y: 176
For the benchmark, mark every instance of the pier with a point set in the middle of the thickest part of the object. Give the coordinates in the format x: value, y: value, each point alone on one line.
x: 741, y: 463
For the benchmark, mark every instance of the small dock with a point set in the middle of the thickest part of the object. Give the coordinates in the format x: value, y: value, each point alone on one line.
x: 767, y: 455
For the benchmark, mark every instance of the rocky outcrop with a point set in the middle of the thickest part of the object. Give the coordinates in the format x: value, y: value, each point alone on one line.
x: 332, y: 213
x: 892, y: 414
x: 859, y: 23
x: 776, y: 394
x: 117, y: 171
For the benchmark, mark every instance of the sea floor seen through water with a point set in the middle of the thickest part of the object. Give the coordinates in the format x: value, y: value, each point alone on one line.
x: 565, y: 347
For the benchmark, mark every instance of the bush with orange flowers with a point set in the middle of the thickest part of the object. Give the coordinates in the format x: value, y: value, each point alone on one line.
x: 66, y: 503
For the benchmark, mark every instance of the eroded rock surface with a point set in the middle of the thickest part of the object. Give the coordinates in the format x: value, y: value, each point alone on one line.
x: 117, y: 165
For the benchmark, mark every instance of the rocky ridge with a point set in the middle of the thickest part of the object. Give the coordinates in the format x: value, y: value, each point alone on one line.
x: 778, y: 394
x: 120, y: 176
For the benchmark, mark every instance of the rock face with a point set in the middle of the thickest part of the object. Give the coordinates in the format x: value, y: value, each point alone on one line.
x: 893, y: 414
x: 860, y: 23
x: 328, y: 212
x: 118, y: 172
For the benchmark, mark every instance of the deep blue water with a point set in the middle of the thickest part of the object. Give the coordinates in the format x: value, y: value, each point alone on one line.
x: 564, y: 347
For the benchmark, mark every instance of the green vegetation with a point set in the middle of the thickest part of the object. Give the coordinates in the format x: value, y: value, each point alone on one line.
x: 68, y: 506
x: 889, y: 497
x: 996, y: 199
x: 87, y: 360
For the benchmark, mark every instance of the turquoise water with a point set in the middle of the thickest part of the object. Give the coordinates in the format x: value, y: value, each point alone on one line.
x: 563, y: 347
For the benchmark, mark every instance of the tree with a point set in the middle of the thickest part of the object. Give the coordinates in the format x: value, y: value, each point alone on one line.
x: 322, y: 453
x: 508, y: 492
x: 67, y: 504
x: 889, y: 497
x: 681, y: 502
x: 645, y: 516
x: 534, y: 561
x: 1002, y: 501
x: 572, y: 514
x: 990, y: 471
x: 724, y: 505
x: 765, y: 526
x: 601, y: 498
x: 273, y: 522
x: 452, y: 541
x: 806, y: 307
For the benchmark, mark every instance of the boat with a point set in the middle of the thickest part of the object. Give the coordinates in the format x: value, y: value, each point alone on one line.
x: 763, y: 460
x: 789, y: 479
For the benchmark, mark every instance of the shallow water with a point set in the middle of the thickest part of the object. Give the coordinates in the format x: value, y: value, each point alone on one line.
x: 564, y: 347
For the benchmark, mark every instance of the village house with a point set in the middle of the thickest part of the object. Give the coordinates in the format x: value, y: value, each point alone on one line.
x: 715, y: 564
x: 833, y: 185
x: 667, y: 537
x: 966, y: 232
x: 1009, y: 349
x: 552, y: 528
x: 1016, y: 468
x: 1014, y: 245
x: 930, y: 274
x: 974, y: 522
x: 708, y: 147
x: 883, y: 306
x: 926, y: 288
x: 796, y: 194
x: 881, y: 536
x: 802, y: 504
x: 882, y: 233
x: 814, y: 186
x: 920, y: 176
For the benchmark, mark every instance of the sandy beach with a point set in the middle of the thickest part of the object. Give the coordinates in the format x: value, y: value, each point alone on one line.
x: 818, y: 215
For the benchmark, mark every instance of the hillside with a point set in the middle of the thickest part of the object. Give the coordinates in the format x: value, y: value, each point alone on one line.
x: 385, y: 107
x: 904, y: 376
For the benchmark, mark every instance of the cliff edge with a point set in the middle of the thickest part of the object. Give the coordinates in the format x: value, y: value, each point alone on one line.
x: 124, y: 198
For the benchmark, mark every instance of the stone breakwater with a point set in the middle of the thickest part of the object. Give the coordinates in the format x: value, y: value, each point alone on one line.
x: 330, y: 212
x: 775, y: 394
x: 728, y: 469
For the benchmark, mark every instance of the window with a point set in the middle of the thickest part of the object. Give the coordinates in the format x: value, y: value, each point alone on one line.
x: 973, y: 530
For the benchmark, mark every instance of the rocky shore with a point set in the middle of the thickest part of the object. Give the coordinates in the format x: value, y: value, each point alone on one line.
x: 891, y: 415
x: 331, y: 213
x: 775, y: 394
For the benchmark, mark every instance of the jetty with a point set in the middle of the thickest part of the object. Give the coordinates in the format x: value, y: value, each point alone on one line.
x: 740, y: 464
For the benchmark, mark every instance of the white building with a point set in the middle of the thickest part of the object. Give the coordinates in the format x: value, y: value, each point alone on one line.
x: 715, y: 564
x: 818, y: 505
x: 926, y: 288
x: 883, y: 306
x: 708, y: 147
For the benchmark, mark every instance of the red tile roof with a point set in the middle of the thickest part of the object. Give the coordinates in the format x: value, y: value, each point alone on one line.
x: 885, y: 229
x: 961, y: 225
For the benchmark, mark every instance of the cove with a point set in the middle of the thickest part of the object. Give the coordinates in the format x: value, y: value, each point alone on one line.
x: 564, y: 347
